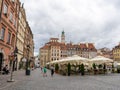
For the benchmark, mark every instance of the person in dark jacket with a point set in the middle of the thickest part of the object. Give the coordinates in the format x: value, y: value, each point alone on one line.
x: 52, y: 71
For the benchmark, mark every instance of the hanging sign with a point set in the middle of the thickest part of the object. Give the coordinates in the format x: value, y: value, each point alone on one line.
x: 11, y: 57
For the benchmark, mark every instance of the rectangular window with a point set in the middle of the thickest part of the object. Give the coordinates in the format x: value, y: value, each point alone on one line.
x: 2, y: 33
x: 9, y: 37
x: 11, y: 17
x: 5, y: 9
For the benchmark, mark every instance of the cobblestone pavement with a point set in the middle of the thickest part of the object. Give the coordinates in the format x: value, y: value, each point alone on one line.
x: 37, y: 82
x: 3, y: 79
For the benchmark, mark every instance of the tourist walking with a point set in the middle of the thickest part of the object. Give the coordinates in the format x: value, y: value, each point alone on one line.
x: 44, y: 72
x: 52, y: 71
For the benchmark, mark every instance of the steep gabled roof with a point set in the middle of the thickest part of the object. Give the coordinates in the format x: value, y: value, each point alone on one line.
x: 54, y: 39
x: 54, y: 44
x: 46, y: 47
x: 63, y: 47
x: 83, y: 46
x: 91, y: 46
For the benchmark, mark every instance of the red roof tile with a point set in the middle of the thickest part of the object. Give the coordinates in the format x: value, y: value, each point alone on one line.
x: 54, y: 39
x: 83, y: 46
x: 45, y: 47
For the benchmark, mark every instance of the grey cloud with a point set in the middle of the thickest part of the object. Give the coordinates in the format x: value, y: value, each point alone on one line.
x: 94, y: 21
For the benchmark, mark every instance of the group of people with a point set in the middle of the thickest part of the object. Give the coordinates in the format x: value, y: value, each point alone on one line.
x: 44, y: 70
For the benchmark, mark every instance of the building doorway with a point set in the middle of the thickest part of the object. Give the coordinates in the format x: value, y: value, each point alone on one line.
x: 1, y: 61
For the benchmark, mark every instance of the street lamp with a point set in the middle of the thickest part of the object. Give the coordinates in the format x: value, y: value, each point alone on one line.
x: 15, y: 61
x: 12, y: 58
x: 27, y: 62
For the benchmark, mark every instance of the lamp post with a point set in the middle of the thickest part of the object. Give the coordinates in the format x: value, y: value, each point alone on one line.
x: 27, y: 62
x: 12, y: 58
x: 15, y: 61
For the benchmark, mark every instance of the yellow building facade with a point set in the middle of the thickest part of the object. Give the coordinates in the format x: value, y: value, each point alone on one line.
x: 116, y: 53
x: 20, y: 34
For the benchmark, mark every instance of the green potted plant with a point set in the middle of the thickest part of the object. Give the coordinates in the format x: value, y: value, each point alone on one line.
x: 118, y: 69
x: 100, y: 68
x: 69, y: 69
x: 82, y: 69
x: 56, y: 68
x: 113, y: 70
x: 104, y: 68
x: 94, y: 68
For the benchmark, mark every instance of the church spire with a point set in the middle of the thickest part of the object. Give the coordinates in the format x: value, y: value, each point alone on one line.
x: 63, y: 32
x: 63, y: 37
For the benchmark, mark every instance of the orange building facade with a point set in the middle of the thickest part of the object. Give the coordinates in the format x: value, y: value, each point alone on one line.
x: 8, y: 29
x: 55, y: 50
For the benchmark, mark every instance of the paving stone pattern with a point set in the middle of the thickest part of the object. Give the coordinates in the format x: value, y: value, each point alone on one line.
x: 36, y: 81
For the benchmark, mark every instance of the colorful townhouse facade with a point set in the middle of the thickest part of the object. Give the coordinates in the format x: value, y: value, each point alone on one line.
x: 8, y: 29
x: 13, y: 28
x: 116, y: 53
x: 55, y: 50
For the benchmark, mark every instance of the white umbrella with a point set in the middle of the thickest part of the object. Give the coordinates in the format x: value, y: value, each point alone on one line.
x: 79, y: 59
x: 73, y: 59
x: 101, y: 59
x: 64, y: 60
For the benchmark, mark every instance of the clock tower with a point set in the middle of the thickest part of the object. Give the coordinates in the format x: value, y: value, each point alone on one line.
x: 63, y: 37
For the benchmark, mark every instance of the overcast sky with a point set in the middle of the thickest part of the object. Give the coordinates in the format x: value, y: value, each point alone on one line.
x: 96, y: 21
